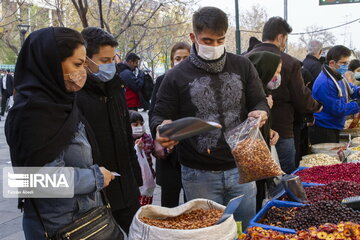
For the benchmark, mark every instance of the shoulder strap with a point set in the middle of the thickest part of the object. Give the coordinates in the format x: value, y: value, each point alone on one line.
x: 46, y: 234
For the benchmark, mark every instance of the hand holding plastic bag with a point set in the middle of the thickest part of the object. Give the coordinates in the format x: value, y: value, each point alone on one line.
x: 252, y: 155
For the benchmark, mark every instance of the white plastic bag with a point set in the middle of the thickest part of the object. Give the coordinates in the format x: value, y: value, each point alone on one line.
x: 226, y: 230
x: 148, y: 187
x: 252, y: 156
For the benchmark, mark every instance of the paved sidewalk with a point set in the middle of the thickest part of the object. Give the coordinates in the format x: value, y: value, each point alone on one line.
x: 10, y: 216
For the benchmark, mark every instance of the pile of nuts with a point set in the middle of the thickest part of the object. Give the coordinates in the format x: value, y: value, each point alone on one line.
x: 300, y: 218
x: 320, y: 159
x: 328, y: 231
x: 327, y: 174
x: 254, y: 161
x: 355, y: 157
x: 336, y: 191
x: 197, y: 218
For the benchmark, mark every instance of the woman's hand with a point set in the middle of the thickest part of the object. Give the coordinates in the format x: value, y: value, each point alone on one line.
x: 139, y: 143
x: 108, y: 177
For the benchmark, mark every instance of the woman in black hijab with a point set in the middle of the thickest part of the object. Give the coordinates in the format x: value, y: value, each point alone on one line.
x: 268, y: 66
x: 44, y: 127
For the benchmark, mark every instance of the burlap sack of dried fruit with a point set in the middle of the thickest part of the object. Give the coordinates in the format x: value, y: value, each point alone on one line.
x: 251, y: 153
x: 204, y: 228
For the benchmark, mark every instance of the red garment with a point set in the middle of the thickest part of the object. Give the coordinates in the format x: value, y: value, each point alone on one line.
x: 149, y: 149
x: 145, y: 200
x: 132, y: 98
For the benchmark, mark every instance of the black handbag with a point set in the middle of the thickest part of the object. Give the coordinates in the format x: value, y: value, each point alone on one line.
x: 96, y: 224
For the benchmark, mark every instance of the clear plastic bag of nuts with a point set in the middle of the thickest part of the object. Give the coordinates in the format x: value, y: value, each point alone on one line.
x: 252, y: 155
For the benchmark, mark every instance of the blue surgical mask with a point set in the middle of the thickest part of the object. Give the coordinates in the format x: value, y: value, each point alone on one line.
x: 342, y: 70
x: 357, y: 76
x: 106, y: 71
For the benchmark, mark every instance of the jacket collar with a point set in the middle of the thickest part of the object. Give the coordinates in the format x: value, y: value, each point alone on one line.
x: 212, y: 66
x: 313, y: 58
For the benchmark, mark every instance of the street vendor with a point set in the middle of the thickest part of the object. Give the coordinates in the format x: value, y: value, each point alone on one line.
x: 336, y: 95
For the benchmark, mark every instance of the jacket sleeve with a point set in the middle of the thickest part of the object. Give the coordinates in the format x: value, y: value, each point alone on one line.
x: 167, y: 102
x: 255, y: 94
x: 131, y: 81
x: 356, y: 94
x: 132, y: 153
x: 153, y: 96
x: 327, y: 94
x: 300, y: 94
x: 86, y: 180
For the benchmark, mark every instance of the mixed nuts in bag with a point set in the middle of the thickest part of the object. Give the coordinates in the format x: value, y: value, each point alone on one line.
x: 252, y: 155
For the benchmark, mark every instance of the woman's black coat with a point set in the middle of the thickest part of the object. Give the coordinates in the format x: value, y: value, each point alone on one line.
x: 104, y: 107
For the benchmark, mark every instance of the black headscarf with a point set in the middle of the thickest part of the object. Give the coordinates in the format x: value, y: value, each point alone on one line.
x: 44, y: 117
x: 266, y: 64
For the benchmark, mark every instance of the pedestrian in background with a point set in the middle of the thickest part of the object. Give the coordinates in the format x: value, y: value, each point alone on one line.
x: 7, y: 88
x: 168, y: 169
x: 353, y: 75
x: 291, y: 96
x: 312, y: 61
x: 134, y: 80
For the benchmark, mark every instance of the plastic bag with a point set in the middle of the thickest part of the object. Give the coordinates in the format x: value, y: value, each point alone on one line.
x: 148, y: 187
x: 252, y: 155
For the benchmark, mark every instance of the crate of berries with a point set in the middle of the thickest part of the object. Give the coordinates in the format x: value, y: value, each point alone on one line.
x: 335, y: 191
x: 331, y: 173
x: 289, y: 217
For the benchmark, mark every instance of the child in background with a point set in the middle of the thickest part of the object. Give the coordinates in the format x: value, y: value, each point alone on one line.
x: 144, y: 142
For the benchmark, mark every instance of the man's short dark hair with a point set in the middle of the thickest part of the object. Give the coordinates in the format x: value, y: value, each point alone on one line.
x: 211, y: 18
x: 95, y: 38
x: 337, y: 52
x: 275, y: 26
x: 7, y: 70
x: 354, y: 64
x: 132, y: 57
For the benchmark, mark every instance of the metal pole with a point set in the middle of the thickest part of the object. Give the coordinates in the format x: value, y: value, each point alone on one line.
x: 286, y: 18
x: 237, y: 31
x: 285, y: 10
x: 101, y: 14
x: 22, y: 37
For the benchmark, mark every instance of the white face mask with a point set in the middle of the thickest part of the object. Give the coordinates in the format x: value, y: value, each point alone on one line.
x: 209, y: 52
x: 274, y: 83
x: 138, y: 131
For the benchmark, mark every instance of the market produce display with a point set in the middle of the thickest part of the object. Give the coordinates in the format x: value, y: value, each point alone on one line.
x: 333, y: 191
x: 320, y: 159
x: 332, y: 173
x: 344, y: 230
x: 354, y: 157
x: 197, y: 218
x: 254, y: 160
x: 349, y: 122
x: 356, y: 148
x: 301, y: 218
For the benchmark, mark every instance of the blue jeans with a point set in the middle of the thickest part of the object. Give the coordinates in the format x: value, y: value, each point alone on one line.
x: 285, y: 148
x: 221, y: 187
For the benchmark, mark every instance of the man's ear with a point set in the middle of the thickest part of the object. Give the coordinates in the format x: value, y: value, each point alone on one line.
x: 192, y: 37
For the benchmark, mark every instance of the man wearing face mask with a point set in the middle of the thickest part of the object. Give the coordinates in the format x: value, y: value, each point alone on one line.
x: 102, y: 102
x: 291, y: 96
x: 336, y: 95
x: 134, y: 80
x: 213, y: 85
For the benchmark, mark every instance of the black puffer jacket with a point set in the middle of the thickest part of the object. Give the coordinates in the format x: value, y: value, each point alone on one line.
x: 104, y: 107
